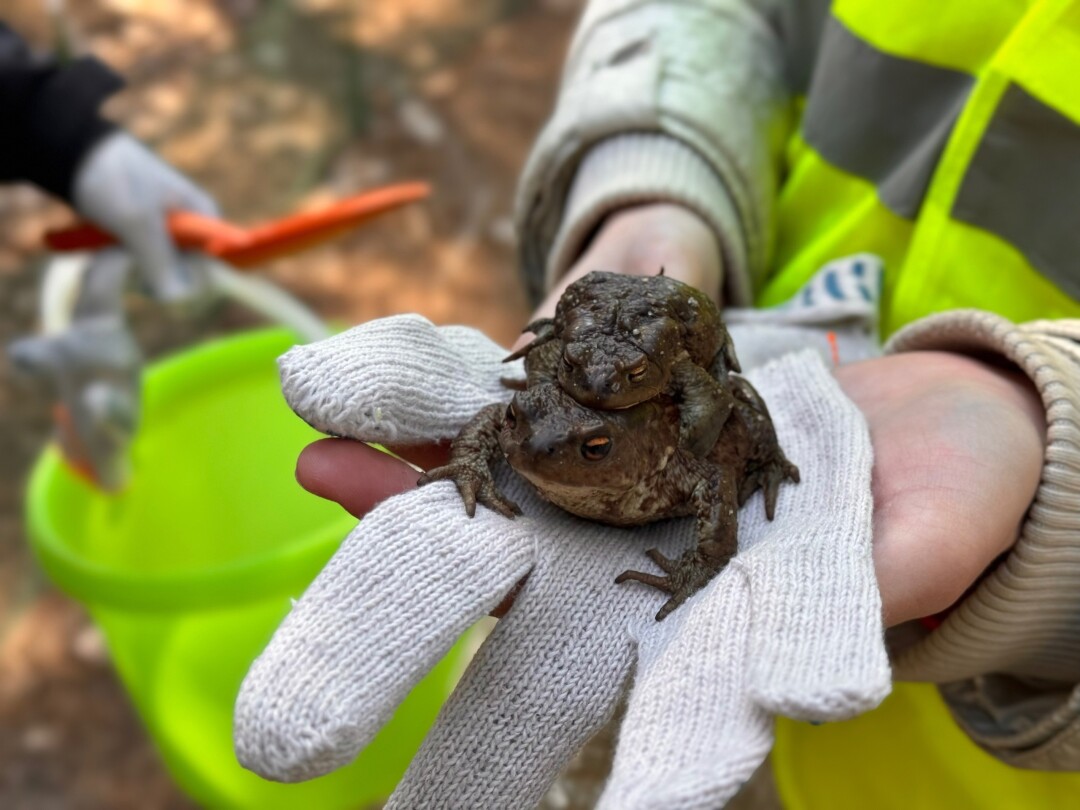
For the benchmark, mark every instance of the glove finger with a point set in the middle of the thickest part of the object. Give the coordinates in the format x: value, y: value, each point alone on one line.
x: 159, y: 265
x: 817, y: 643
x: 550, y: 674
x: 183, y: 195
x: 397, y: 380
x: 691, y: 735
x: 101, y: 293
x: 412, y: 577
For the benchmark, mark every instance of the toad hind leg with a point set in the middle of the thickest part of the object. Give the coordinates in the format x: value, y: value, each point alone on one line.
x: 715, y: 501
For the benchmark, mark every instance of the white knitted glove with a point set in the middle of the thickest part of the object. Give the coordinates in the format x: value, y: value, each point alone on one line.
x: 793, y: 625
x: 128, y: 190
x: 835, y: 314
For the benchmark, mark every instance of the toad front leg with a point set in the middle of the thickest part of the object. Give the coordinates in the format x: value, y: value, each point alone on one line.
x: 471, y: 456
x: 715, y: 500
x: 705, y: 404
x: 541, y: 366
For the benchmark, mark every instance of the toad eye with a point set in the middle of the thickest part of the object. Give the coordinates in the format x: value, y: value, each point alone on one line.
x: 511, y: 416
x: 638, y: 372
x: 596, y: 448
x: 567, y: 363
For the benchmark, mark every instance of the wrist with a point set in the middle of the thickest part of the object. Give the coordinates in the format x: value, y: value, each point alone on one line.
x: 641, y: 239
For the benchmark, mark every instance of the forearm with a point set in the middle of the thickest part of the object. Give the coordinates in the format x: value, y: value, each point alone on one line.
x: 684, y: 103
x: 641, y: 240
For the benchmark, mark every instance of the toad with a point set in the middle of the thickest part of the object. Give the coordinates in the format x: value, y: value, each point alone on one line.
x: 617, y: 341
x: 627, y: 467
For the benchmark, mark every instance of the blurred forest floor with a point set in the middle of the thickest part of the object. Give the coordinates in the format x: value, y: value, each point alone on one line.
x: 272, y: 106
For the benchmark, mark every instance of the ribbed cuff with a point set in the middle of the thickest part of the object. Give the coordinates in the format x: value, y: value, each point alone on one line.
x: 1023, y: 619
x: 640, y: 168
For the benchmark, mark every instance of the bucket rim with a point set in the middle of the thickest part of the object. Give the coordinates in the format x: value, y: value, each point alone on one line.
x: 279, y: 572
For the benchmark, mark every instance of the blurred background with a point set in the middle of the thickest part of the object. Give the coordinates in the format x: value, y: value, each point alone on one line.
x: 272, y: 106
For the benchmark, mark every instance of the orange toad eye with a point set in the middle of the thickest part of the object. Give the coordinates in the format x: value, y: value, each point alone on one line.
x: 596, y: 448
x: 637, y: 373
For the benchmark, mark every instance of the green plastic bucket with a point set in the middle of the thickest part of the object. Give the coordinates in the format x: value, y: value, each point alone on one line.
x: 190, y: 569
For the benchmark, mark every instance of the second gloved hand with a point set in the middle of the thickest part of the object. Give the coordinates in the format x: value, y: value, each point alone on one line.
x: 127, y: 190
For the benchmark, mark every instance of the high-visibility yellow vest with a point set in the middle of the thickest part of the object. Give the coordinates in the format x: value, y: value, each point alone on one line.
x: 944, y: 136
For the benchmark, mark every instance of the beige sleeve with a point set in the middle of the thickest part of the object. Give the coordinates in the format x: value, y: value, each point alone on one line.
x: 676, y: 101
x: 1008, y: 656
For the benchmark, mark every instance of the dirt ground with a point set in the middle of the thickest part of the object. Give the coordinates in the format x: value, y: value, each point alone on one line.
x: 271, y: 106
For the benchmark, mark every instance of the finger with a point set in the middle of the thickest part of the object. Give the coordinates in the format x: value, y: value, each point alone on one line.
x: 817, y: 650
x: 159, y: 264
x: 104, y: 284
x: 691, y: 735
x: 186, y: 196
x: 395, y: 381
x: 550, y: 674
x: 354, y: 474
x: 404, y: 586
x: 425, y: 456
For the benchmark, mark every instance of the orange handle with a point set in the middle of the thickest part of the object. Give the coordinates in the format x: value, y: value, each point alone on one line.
x: 301, y: 231
x: 246, y: 247
x: 189, y: 231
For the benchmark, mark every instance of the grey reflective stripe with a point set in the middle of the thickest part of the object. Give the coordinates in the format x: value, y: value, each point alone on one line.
x: 881, y: 117
x: 1024, y: 185
x: 798, y: 25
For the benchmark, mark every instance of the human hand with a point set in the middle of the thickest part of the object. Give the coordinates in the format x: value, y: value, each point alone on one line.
x: 93, y: 367
x: 958, y: 452
x: 417, y: 572
x: 128, y: 190
x: 641, y: 239
x: 958, y: 449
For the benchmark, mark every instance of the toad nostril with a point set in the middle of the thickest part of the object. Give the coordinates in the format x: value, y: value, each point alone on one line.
x: 551, y: 449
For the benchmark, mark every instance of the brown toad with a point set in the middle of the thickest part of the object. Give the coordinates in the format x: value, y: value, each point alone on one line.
x: 626, y: 468
x: 617, y: 341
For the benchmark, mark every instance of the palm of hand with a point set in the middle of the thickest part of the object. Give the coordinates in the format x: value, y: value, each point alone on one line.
x: 958, y: 453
